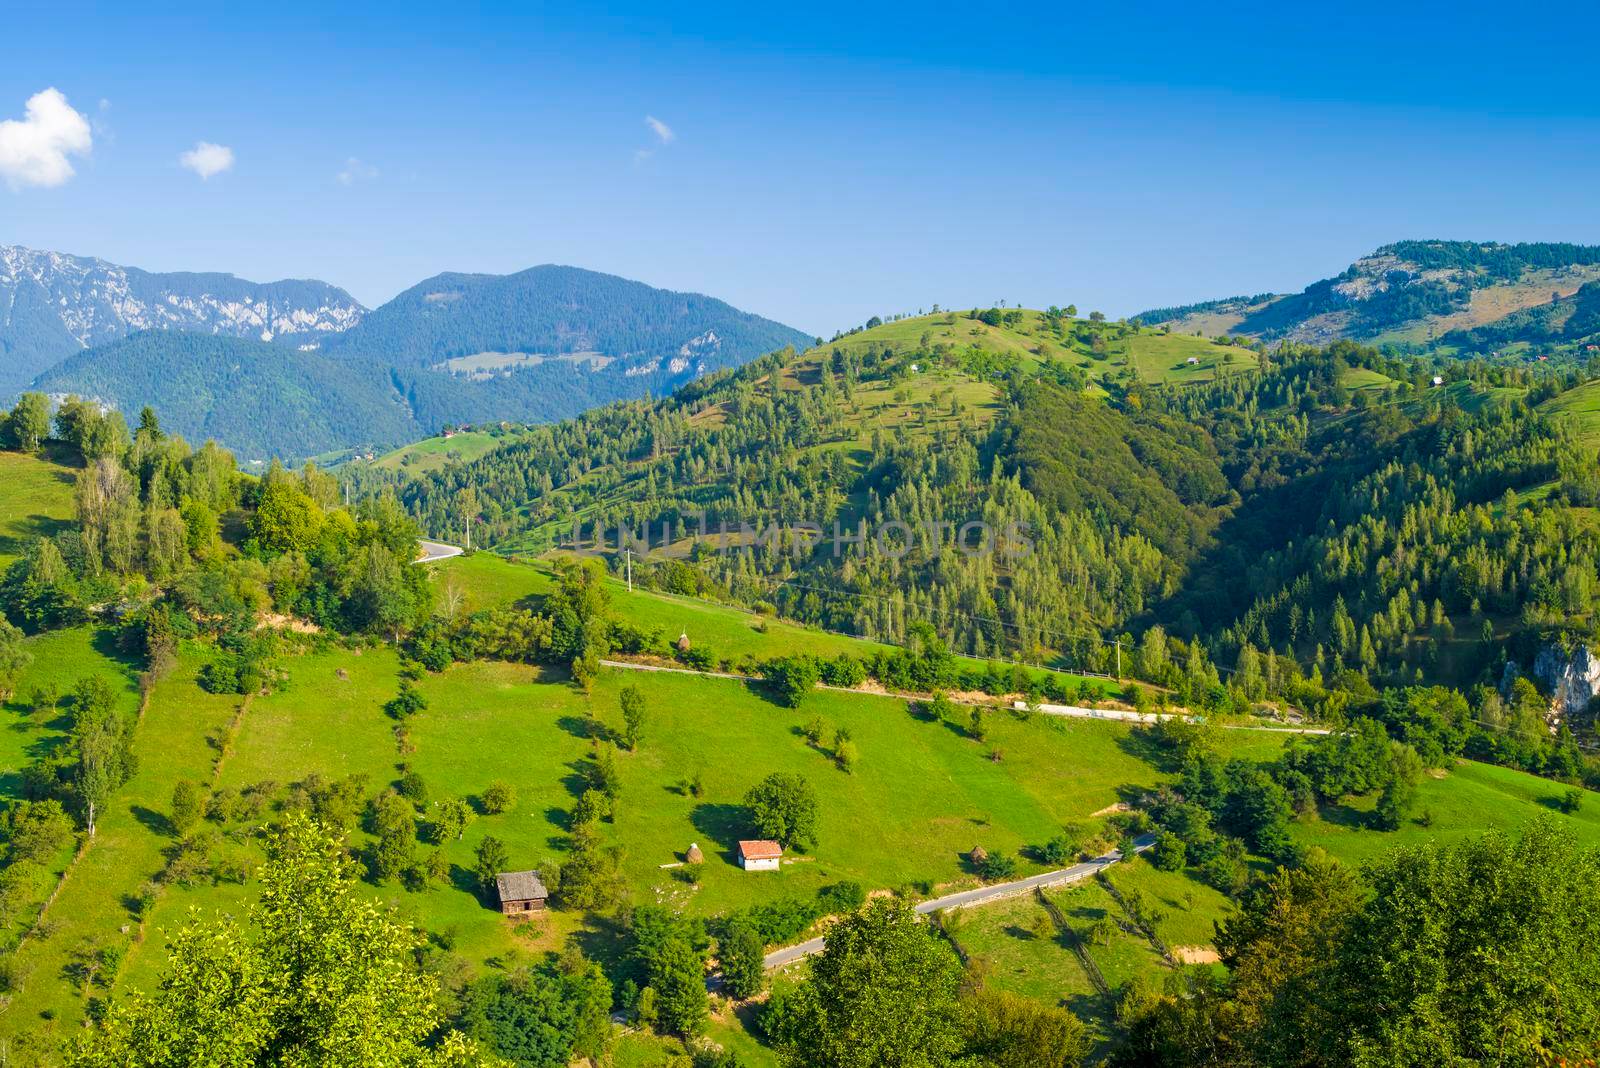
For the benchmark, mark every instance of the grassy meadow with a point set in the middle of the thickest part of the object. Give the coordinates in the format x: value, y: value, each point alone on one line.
x: 36, y: 501
x: 485, y: 580
x: 438, y: 452
x: 922, y: 794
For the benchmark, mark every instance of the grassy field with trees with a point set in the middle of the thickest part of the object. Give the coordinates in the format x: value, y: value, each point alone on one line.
x: 242, y: 723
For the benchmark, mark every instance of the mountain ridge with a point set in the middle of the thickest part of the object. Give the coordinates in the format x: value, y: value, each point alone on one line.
x: 538, y: 345
x: 54, y: 304
x: 1407, y: 293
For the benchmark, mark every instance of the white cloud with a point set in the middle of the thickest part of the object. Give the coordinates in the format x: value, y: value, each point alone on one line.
x: 34, y: 149
x: 206, y: 159
x: 662, y: 131
x: 356, y: 171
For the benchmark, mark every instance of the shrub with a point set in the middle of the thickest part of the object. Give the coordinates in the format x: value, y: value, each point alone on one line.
x: 187, y: 804
x: 408, y: 702
x: 844, y: 670
x: 413, y: 789
x: 1059, y: 851
x: 498, y: 796
x: 997, y: 868
x: 792, y: 677
x: 1169, y: 853
x: 841, y: 897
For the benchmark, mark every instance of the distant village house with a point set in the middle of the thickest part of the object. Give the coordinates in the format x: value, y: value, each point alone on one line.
x: 520, y: 892
x: 760, y: 855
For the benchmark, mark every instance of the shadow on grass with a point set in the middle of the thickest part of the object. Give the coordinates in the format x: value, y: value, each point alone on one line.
x: 579, y: 777
x: 604, y: 940
x: 153, y: 821
x: 466, y: 880
x: 1140, y: 745
x: 587, y: 729
x: 105, y: 643
x: 721, y: 824
x: 1344, y: 816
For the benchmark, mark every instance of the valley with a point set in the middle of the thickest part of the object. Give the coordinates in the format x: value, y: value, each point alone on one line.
x: 1295, y: 595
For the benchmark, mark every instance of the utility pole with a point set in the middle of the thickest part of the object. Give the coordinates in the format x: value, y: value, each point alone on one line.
x: 627, y: 555
x: 469, y: 530
x: 1119, y: 658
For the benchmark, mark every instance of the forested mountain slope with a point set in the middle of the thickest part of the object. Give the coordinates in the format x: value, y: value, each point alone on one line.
x: 263, y: 400
x: 540, y: 345
x: 1312, y: 513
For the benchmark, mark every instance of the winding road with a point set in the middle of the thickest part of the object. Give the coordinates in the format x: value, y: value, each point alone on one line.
x: 433, y: 551
x: 782, y: 958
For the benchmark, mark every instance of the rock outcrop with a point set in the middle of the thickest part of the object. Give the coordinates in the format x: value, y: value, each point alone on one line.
x: 1571, y: 677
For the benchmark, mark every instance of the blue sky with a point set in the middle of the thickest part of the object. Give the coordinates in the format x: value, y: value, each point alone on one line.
x: 825, y: 163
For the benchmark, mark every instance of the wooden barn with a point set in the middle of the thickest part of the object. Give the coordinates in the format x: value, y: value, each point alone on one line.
x: 520, y: 892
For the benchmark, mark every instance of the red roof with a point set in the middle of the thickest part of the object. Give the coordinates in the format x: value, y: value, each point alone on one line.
x: 760, y: 849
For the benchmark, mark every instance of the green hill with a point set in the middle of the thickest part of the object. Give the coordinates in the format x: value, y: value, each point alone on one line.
x: 928, y: 379
x: 439, y: 451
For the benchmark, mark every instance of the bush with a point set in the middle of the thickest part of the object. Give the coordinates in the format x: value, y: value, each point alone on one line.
x: 698, y: 658
x: 413, y: 789
x: 1571, y: 801
x: 188, y: 802
x: 792, y: 677
x: 408, y: 702
x: 1059, y: 851
x: 1169, y: 853
x: 844, y: 670
x: 997, y: 868
x: 498, y: 796
x: 841, y: 897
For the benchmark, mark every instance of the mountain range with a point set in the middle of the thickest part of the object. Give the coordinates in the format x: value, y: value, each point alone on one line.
x: 297, y: 368
x: 53, y: 304
x: 1456, y: 297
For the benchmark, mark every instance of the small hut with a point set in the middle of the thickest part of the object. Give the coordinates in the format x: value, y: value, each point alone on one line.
x: 520, y: 891
x: 760, y: 854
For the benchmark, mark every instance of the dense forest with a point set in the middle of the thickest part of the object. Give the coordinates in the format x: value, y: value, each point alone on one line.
x: 214, y: 386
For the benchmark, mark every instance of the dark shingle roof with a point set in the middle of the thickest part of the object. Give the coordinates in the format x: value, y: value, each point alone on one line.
x: 520, y: 885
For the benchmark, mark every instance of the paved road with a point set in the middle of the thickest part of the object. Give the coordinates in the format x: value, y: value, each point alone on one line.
x: 983, y: 895
x: 436, y: 550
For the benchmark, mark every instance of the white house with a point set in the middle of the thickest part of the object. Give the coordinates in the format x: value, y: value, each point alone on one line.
x: 760, y: 855
x: 1438, y: 380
